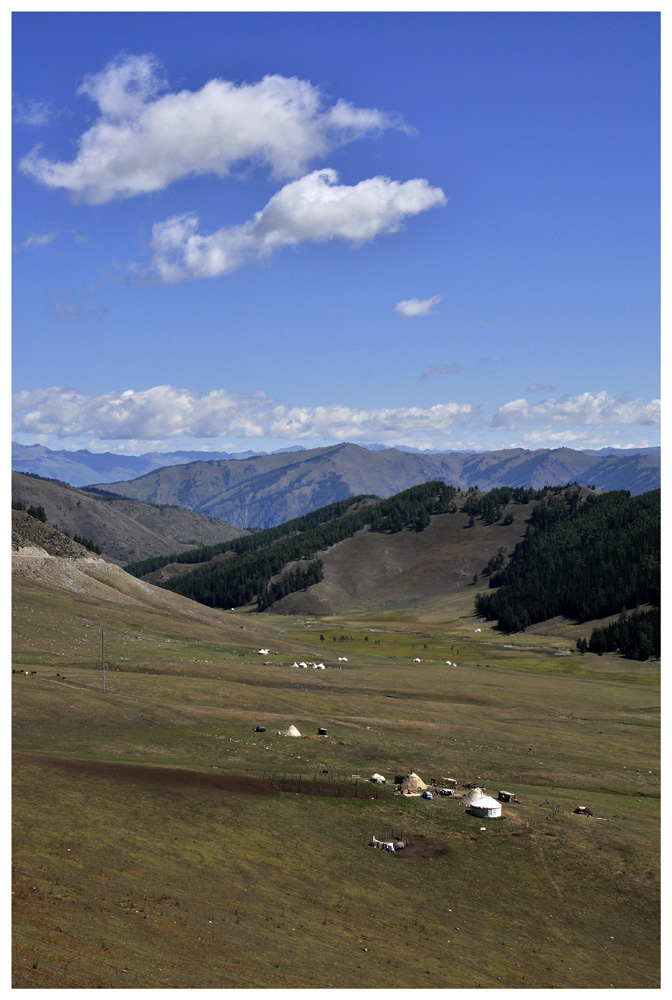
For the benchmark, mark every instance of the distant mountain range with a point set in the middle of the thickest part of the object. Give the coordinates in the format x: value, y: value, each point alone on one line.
x: 80, y: 468
x: 267, y: 490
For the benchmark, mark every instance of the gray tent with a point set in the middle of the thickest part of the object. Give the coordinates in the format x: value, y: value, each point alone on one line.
x: 475, y: 793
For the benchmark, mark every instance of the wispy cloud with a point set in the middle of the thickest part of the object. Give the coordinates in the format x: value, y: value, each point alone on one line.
x: 66, y: 310
x: 429, y: 372
x: 418, y: 307
x: 314, y: 208
x: 27, y: 112
x: 146, y: 138
x: 38, y: 240
x: 63, y: 308
x: 537, y: 387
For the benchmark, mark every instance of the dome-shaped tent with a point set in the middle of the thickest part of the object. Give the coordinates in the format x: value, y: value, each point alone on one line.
x: 475, y: 793
x: 292, y: 731
x: 486, y: 806
x: 413, y: 783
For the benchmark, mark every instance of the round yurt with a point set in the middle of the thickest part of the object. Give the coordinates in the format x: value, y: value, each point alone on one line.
x: 475, y: 793
x: 292, y: 731
x: 412, y: 783
x: 486, y: 807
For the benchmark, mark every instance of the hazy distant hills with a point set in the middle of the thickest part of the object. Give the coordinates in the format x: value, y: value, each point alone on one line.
x: 267, y: 490
x: 78, y: 468
x: 124, y: 529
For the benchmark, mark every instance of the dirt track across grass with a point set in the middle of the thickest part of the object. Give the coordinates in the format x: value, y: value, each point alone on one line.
x: 173, y: 777
x: 179, y: 777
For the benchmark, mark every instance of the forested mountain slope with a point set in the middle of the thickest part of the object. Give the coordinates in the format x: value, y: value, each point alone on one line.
x: 419, y: 543
x: 582, y: 560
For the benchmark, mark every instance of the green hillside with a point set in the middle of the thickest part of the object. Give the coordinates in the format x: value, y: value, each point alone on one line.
x: 259, y: 557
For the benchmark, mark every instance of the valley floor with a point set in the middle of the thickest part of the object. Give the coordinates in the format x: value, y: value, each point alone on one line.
x: 141, y: 860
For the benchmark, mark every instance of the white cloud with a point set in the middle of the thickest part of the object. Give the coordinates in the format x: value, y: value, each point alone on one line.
x: 164, y: 413
x: 158, y: 417
x: 144, y: 138
x: 340, y: 423
x: 587, y: 409
x: 314, y: 208
x: 418, y: 307
x: 158, y: 414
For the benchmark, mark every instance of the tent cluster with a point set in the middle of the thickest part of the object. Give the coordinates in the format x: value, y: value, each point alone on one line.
x: 304, y: 665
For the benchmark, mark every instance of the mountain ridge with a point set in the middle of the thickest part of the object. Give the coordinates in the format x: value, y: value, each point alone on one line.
x: 81, y: 467
x: 263, y: 491
x: 123, y: 528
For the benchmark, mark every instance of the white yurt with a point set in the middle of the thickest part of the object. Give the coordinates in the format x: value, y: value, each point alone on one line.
x: 292, y: 731
x: 486, y: 807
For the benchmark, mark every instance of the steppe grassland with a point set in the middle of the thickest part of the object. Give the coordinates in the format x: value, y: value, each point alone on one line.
x: 128, y: 877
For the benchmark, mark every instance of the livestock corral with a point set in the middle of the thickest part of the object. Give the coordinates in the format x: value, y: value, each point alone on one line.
x: 166, y: 835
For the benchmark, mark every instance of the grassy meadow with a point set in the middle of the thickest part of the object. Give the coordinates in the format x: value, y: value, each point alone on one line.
x: 125, y: 883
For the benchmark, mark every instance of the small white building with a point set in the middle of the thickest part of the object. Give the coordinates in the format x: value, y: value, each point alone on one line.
x: 486, y: 807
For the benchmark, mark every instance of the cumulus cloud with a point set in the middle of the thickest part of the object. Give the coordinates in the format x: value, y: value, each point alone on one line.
x: 429, y: 372
x: 418, y: 307
x: 314, y: 208
x: 160, y: 413
x: 345, y: 423
x: 587, y: 409
x: 163, y: 413
x: 145, y: 138
x: 159, y: 416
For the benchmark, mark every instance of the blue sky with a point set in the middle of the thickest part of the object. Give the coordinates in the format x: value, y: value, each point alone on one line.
x: 251, y: 231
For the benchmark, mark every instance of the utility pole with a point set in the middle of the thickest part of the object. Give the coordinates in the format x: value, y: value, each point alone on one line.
x: 102, y: 655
